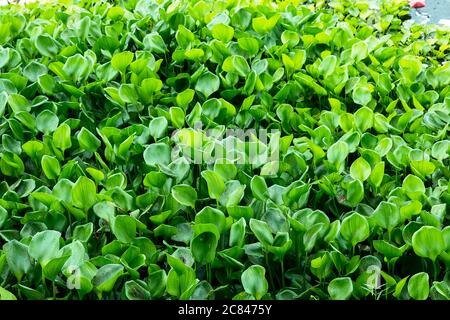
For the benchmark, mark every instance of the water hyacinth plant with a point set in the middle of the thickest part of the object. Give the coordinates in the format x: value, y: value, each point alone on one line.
x: 226, y: 149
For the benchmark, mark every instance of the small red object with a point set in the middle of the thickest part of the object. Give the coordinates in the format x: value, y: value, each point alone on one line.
x: 417, y: 4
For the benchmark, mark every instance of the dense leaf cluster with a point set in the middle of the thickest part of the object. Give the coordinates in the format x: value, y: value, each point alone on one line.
x: 97, y: 200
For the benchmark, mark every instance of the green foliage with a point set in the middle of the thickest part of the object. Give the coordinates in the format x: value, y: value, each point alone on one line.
x: 102, y: 195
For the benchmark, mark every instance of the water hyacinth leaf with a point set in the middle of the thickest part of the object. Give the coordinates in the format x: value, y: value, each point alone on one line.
x: 44, y: 246
x: 62, y: 137
x: 413, y: 187
x: 106, y: 277
x: 386, y: 215
x: 46, y: 45
x: 337, y: 153
x: 158, y: 127
x: 185, y: 97
x: 355, y: 192
x: 355, y: 228
x: 6, y: 295
x: 363, y: 119
x: 237, y: 233
x: 87, y: 140
x: 84, y: 193
x: 360, y: 169
x: 122, y: 60
x: 328, y: 65
x: 410, y: 67
x: 50, y: 166
x: 340, y: 288
x: 34, y: 70
x: 428, y: 242
x: 236, y: 64
x: 359, y: 51
x: 213, y: 216
x: 361, y: 95
x: 222, y: 32
x: 248, y: 44
x: 254, y: 281
x: 19, y: 103
x: 262, y: 231
x: 207, y: 84
x: 135, y: 291
x: 157, y: 154
x: 185, y: 195
x: 203, y: 247
x: 216, y: 185
x: 155, y: 43
x: 418, y: 286
x: 17, y: 258
x: 259, y: 187
x: 124, y: 228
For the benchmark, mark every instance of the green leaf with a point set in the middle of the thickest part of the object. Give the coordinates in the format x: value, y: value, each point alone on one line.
x: 359, y: 51
x: 84, y: 193
x: 203, y: 247
x: 47, y: 121
x: 120, y: 61
x: 340, y: 288
x: 328, y: 65
x: 259, y: 188
x: 386, y: 215
x: 361, y: 95
x: 248, y: 44
x: 155, y: 43
x: 62, y: 137
x: 185, y: 195
x: 34, y: 70
x: 418, y: 286
x: 216, y: 185
x: 290, y: 37
x: 50, y: 166
x: 87, y: 140
x: 212, y: 216
x: 177, y: 116
x: 19, y: 103
x: 46, y: 45
x: 413, y: 187
x: 185, y: 97
x: 410, y: 67
x: 222, y: 32
x: 6, y: 295
x: 17, y: 258
x: 237, y: 233
x: 364, y: 119
x: 106, y: 277
x: 377, y: 174
x: 355, y: 192
x: 261, y: 231
x: 337, y: 153
x: 254, y: 281
x: 236, y: 64
x: 44, y: 246
x: 158, y: 127
x: 54, y: 266
x: 157, y: 154
x: 428, y: 242
x: 124, y: 228
x: 355, y: 228
x: 263, y: 25
x: 360, y: 169
x: 207, y: 84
